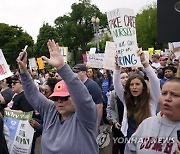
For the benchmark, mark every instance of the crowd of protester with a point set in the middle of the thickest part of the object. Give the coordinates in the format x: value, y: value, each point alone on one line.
x: 71, y: 104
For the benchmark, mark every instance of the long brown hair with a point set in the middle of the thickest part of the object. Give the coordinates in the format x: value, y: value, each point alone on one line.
x: 138, y: 107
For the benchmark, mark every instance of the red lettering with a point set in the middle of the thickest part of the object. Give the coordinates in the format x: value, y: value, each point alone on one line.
x: 143, y: 144
x: 157, y: 147
x: 2, y: 71
x: 149, y: 143
x: 168, y: 147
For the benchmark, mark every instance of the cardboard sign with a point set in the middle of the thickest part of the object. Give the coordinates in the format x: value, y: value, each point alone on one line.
x: 109, y: 55
x: 95, y: 60
x: 123, y: 29
x: 4, y: 68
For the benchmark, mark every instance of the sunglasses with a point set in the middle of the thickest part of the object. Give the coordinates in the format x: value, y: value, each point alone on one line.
x: 62, y: 99
x: 13, y: 83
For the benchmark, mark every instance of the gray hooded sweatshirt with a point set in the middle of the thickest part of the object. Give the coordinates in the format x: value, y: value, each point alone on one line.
x: 155, y: 135
x: 77, y: 134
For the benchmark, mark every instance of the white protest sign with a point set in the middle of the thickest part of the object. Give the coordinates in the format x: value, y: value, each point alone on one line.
x: 32, y: 63
x: 21, y: 133
x: 109, y: 56
x: 95, y: 60
x: 4, y: 68
x: 123, y: 29
x: 92, y: 51
x: 176, y: 48
x: 64, y: 52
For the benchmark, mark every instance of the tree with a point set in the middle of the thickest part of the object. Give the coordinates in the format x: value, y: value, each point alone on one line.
x: 12, y: 40
x: 46, y: 32
x: 102, y: 43
x: 146, y: 26
x: 76, y: 29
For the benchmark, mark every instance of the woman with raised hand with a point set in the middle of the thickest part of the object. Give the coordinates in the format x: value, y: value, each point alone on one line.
x: 69, y: 122
x: 158, y: 134
x: 140, y: 100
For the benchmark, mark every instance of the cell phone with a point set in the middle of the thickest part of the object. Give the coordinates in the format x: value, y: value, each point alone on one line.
x: 22, y: 57
x: 178, y: 135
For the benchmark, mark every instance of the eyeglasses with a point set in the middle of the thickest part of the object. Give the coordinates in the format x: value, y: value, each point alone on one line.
x: 14, y: 83
x: 62, y: 99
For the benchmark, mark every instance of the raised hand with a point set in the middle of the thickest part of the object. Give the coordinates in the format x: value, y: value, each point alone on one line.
x: 141, y: 54
x: 56, y: 58
x: 117, y: 67
x: 117, y: 125
x: 22, y: 61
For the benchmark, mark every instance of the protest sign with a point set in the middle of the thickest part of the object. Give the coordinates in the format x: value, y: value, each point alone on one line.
x: 151, y: 51
x: 32, y: 63
x: 176, y: 48
x: 109, y: 55
x: 40, y: 63
x: 92, y: 51
x: 95, y: 60
x: 21, y: 133
x: 64, y: 52
x: 4, y: 68
x: 84, y: 58
x: 123, y: 29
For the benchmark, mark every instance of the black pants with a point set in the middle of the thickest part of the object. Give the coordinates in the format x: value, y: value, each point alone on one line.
x: 118, y: 141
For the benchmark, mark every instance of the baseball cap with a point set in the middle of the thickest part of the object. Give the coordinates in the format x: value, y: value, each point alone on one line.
x: 16, y: 78
x: 156, y: 56
x: 163, y: 58
x: 79, y: 67
x: 60, y: 90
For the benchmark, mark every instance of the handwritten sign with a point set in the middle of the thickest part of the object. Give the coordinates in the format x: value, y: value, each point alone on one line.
x: 95, y: 60
x: 109, y: 55
x: 21, y: 133
x: 123, y: 29
x: 4, y: 68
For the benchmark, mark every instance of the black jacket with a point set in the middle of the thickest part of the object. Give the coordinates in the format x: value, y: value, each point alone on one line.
x: 3, y: 145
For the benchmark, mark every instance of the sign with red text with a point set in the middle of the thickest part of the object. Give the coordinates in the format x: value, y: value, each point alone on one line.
x: 123, y: 30
x: 4, y: 68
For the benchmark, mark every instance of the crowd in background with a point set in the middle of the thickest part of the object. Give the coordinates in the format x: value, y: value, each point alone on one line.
x: 124, y: 98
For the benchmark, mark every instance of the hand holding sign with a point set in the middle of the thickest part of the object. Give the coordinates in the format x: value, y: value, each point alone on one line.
x: 22, y: 61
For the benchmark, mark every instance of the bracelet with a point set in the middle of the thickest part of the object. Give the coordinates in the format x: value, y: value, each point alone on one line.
x: 144, y: 62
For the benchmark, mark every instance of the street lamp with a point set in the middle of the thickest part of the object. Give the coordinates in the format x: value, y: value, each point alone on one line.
x: 95, y: 21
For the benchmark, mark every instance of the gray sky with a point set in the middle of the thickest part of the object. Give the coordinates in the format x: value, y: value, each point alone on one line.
x: 30, y: 14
